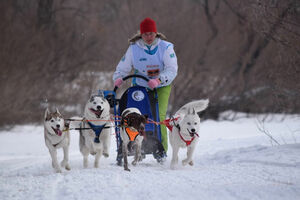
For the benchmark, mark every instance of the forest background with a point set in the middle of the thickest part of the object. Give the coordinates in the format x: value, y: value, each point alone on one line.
x: 244, y: 55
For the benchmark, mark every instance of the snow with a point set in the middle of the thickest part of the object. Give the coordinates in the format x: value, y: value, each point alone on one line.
x: 233, y: 160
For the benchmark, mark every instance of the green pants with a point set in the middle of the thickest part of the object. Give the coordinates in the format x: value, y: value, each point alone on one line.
x: 163, y: 95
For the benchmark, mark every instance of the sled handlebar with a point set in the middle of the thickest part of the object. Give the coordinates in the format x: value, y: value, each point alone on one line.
x: 132, y: 76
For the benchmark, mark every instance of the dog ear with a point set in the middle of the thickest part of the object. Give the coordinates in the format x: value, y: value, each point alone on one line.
x: 145, y: 117
x: 47, y: 113
x: 92, y: 98
x: 194, y: 112
x: 104, y: 99
x: 189, y: 111
x: 101, y: 94
x: 57, y: 111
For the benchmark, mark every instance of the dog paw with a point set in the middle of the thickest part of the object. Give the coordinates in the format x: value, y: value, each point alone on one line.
x: 58, y: 170
x: 191, y: 163
x: 106, y: 155
x: 134, y: 163
x: 68, y: 167
x: 184, y: 162
x: 119, y: 163
x: 141, y: 158
x: 173, y: 167
x: 127, y: 169
x: 64, y: 163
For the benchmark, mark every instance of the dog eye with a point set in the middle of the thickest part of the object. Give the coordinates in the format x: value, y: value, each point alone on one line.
x: 188, y: 123
x: 94, y: 103
x: 195, y: 123
x: 52, y: 120
x: 101, y: 102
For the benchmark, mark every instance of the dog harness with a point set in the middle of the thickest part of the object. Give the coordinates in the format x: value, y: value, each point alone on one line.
x: 167, y: 123
x: 131, y: 134
x: 97, y: 130
x: 170, y: 127
x: 187, y: 142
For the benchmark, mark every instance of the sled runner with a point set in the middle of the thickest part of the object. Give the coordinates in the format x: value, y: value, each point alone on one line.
x: 138, y: 97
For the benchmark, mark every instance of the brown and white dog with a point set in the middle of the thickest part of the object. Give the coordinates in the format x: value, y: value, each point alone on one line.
x: 57, y: 136
x: 132, y: 134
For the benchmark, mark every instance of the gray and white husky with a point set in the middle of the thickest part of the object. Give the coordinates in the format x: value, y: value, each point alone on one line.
x: 57, y: 137
x: 185, y: 130
x: 96, y: 132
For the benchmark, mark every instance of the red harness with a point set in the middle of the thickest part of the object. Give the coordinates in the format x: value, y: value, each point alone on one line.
x: 167, y: 123
x: 170, y: 127
x: 188, y: 142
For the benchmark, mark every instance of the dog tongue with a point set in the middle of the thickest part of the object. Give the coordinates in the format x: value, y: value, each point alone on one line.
x: 97, y: 112
x: 59, y: 132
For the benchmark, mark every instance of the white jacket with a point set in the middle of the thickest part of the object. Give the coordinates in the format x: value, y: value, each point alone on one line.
x: 164, y: 62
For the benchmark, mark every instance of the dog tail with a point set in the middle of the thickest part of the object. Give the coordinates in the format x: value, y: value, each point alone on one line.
x: 198, y: 106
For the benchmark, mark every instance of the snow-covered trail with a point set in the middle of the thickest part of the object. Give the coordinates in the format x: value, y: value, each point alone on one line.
x: 233, y: 160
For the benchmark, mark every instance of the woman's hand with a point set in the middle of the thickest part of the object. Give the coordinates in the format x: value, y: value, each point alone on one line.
x: 118, y: 82
x: 153, y: 83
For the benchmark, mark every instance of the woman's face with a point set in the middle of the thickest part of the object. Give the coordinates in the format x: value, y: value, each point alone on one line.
x: 148, y: 37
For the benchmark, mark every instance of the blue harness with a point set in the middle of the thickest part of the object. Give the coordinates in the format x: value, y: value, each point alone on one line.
x: 97, y: 130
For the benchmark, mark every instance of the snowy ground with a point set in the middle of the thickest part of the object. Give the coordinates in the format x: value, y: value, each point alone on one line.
x: 233, y: 160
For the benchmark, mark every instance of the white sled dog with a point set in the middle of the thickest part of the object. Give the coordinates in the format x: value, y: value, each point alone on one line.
x: 185, y: 127
x: 132, y: 134
x: 57, y: 136
x: 95, y: 133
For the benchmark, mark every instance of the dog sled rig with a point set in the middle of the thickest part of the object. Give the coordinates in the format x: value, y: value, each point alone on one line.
x: 138, y: 97
x: 134, y: 97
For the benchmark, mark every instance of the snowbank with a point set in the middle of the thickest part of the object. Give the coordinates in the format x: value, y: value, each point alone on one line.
x: 233, y: 160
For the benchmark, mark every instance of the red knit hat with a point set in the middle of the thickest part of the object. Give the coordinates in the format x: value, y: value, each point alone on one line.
x: 148, y: 25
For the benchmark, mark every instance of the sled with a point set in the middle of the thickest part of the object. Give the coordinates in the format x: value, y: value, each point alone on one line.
x: 138, y: 97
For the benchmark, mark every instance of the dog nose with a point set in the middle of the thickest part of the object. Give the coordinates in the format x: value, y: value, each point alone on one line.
x: 57, y: 126
x: 99, y: 107
x: 193, y: 130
